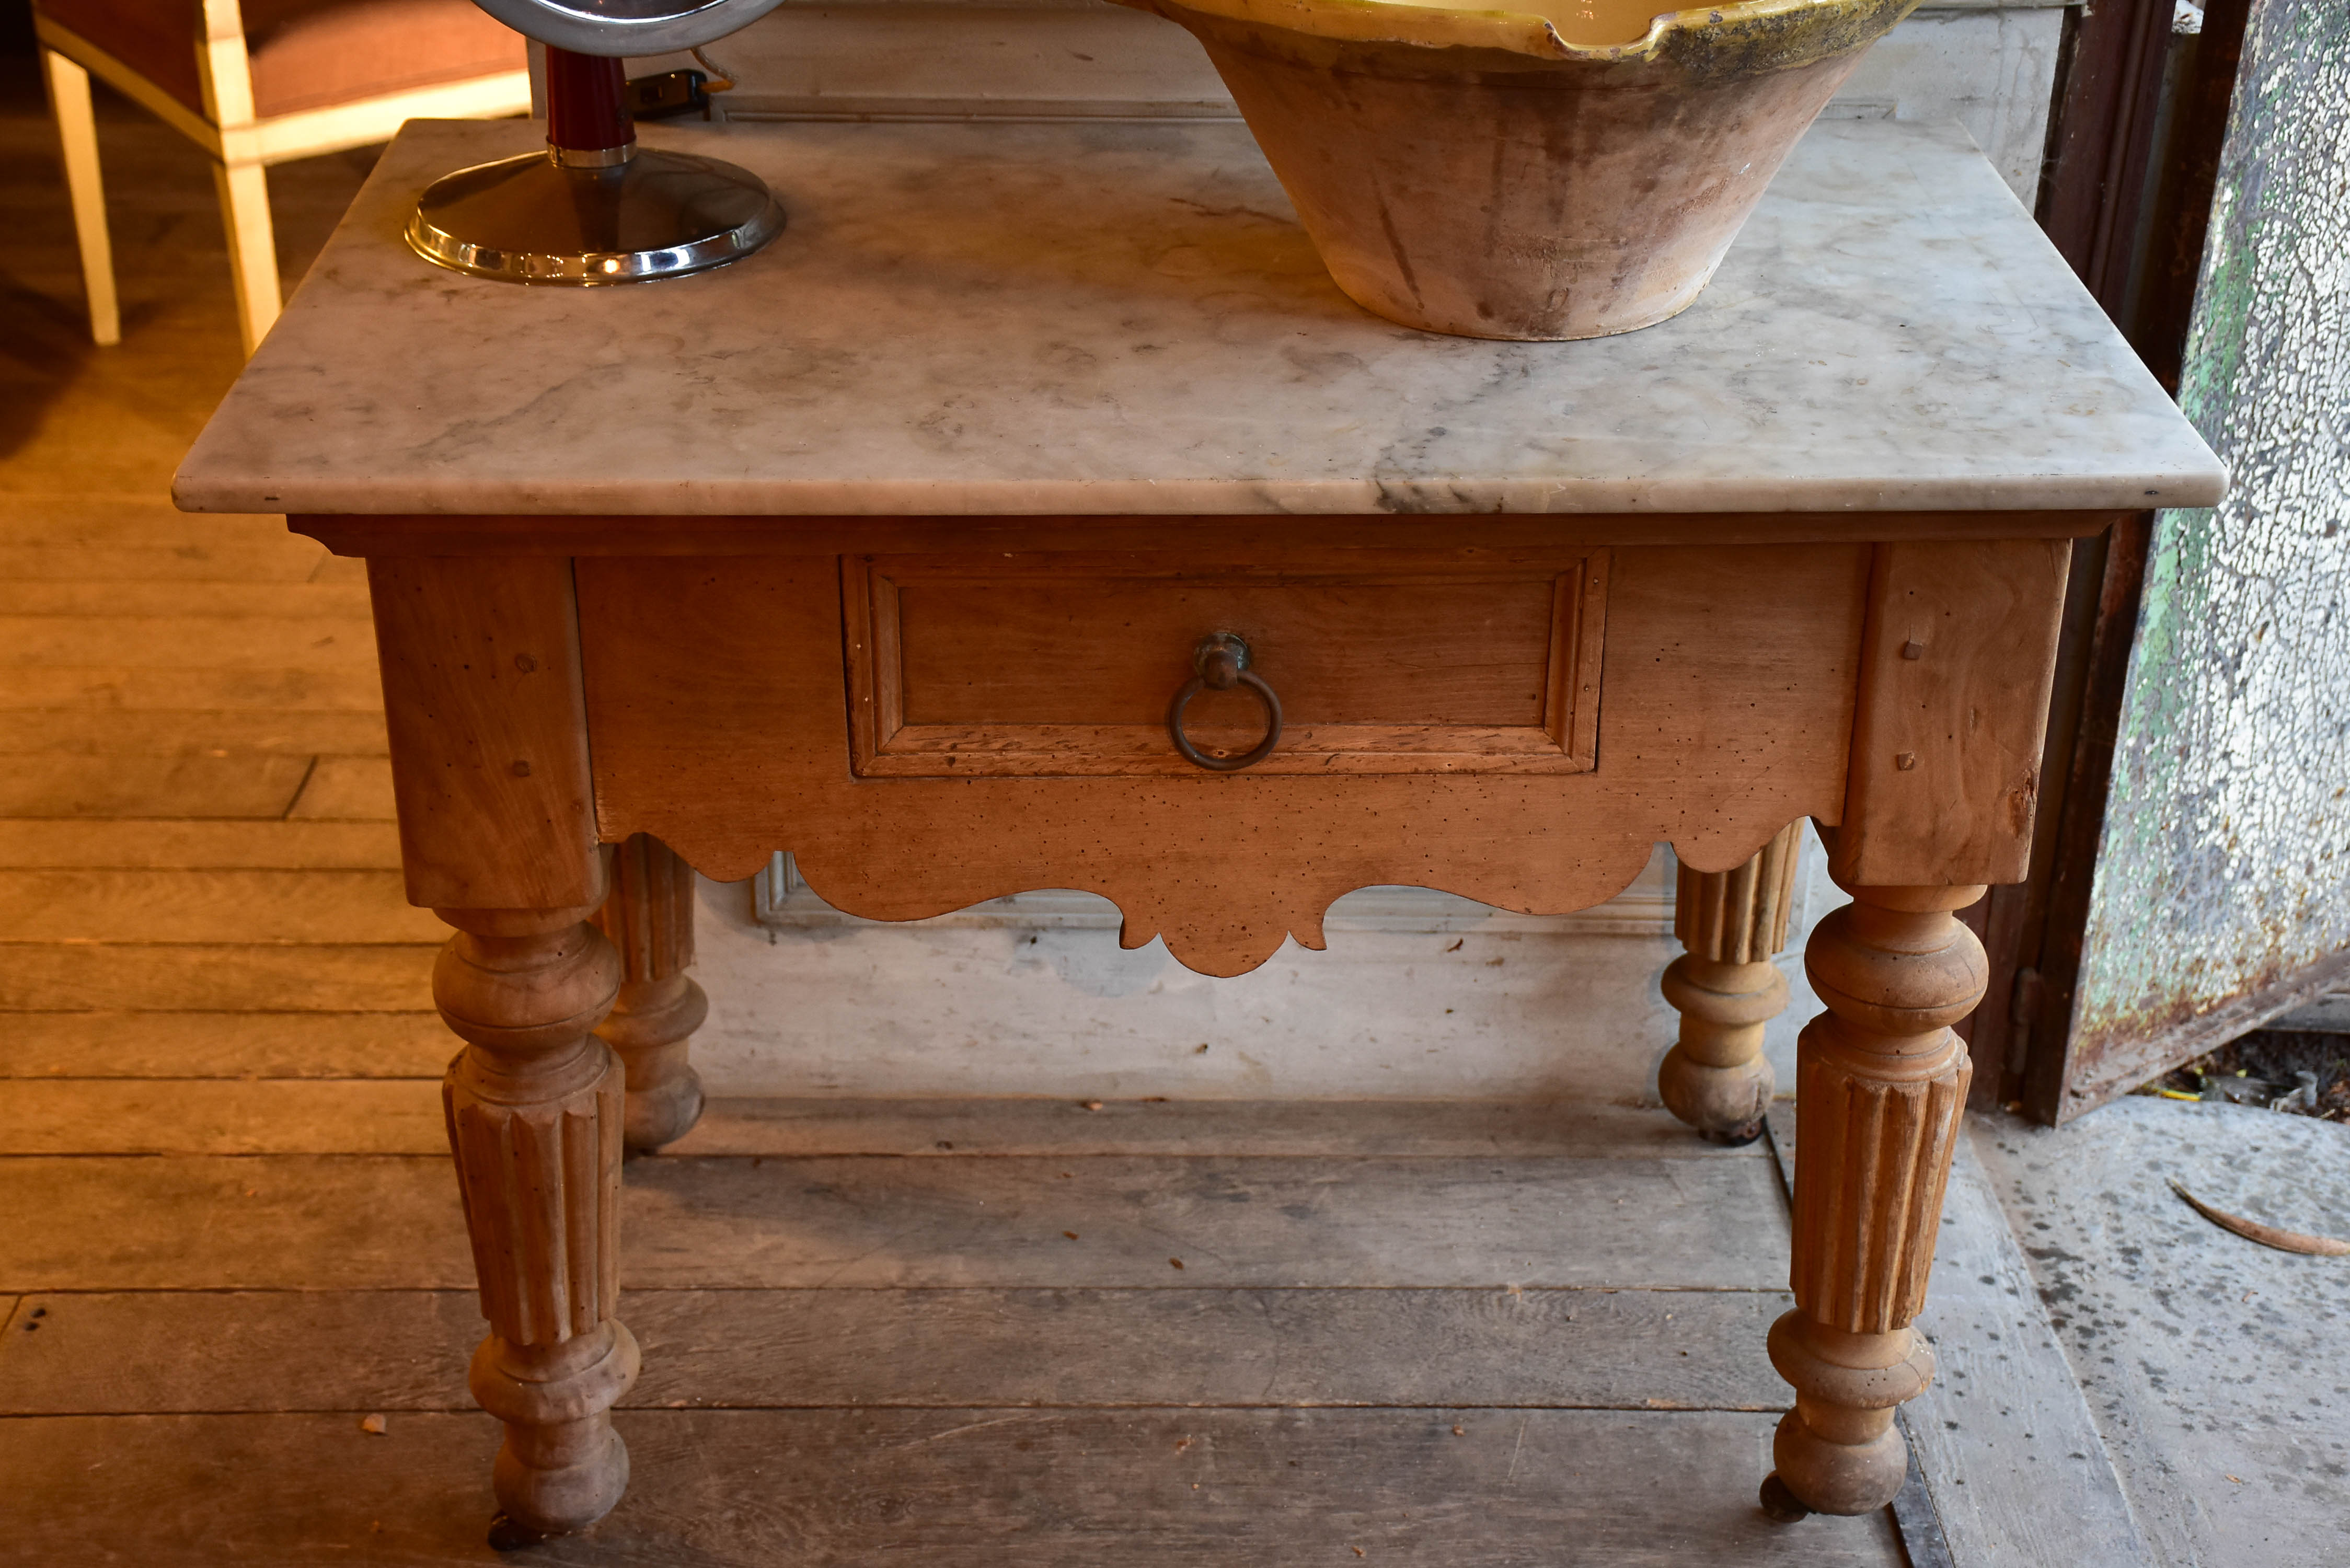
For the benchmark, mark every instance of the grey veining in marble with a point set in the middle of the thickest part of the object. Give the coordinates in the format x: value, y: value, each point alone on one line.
x: 1126, y: 319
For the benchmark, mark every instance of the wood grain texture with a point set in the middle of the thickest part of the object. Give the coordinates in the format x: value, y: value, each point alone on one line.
x: 1352, y: 1129
x: 105, y: 732
x: 367, y: 1083
x: 316, y: 1222
x: 90, y: 515
x: 253, y: 1048
x: 117, y: 905
x: 280, y: 561
x: 346, y: 789
x: 489, y: 738
x: 132, y: 845
x: 351, y: 689
x: 1956, y: 666
x: 983, y: 1487
x: 136, y: 1116
x: 714, y: 690
x: 1059, y: 664
x: 254, y: 786
x: 207, y: 977
x: 406, y: 1350
x: 104, y: 598
x: 207, y: 642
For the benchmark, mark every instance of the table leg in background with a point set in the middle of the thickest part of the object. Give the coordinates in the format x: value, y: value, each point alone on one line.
x: 649, y: 916
x: 1726, y: 989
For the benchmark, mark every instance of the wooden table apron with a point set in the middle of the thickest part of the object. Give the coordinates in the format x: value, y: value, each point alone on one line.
x: 933, y: 712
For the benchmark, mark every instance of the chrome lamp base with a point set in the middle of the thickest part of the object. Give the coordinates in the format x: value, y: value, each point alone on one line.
x: 620, y: 215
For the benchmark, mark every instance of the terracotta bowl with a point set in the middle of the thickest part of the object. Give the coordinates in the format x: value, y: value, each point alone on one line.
x: 1494, y: 174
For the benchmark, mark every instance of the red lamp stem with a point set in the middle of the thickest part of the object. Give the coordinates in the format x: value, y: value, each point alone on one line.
x: 586, y: 107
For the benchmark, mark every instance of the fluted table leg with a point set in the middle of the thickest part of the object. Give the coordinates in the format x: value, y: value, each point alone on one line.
x: 1726, y: 989
x: 1881, y: 1087
x: 534, y: 1106
x: 649, y: 916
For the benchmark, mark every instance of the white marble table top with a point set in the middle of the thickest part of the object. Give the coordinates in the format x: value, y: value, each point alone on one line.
x: 1096, y: 318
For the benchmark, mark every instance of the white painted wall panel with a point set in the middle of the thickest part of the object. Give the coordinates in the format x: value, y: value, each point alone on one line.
x: 1993, y: 71
x: 1418, y: 995
x: 1991, y: 68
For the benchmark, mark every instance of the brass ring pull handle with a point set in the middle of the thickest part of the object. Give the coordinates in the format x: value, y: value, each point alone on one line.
x: 1222, y: 663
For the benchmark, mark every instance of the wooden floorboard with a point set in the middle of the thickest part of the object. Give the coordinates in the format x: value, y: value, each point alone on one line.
x: 64, y: 519
x: 2004, y: 1436
x: 406, y: 1350
x: 146, y: 844
x: 215, y: 1116
x: 346, y: 789
x: 235, y: 1109
x: 351, y: 689
x: 212, y: 906
x: 103, y: 731
x: 374, y: 1222
x: 974, y: 1489
x: 62, y: 978
x: 1451, y: 1128
x: 211, y: 641
x: 290, y: 561
x: 194, y: 1046
x: 248, y: 786
x: 308, y: 599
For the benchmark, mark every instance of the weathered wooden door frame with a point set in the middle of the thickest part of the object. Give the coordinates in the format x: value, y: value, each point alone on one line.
x: 2134, y: 153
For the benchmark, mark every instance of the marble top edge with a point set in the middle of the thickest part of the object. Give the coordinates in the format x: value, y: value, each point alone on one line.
x: 1888, y: 248
x: 1599, y: 498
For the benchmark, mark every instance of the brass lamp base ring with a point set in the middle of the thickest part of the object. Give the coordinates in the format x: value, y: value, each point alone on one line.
x: 531, y: 219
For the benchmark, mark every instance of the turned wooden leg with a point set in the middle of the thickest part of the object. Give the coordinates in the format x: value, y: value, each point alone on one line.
x: 650, y: 917
x: 1881, y: 1086
x: 534, y: 1104
x: 86, y: 188
x: 1726, y: 989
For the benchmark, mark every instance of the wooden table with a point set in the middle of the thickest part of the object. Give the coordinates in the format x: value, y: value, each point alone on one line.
x: 893, y: 546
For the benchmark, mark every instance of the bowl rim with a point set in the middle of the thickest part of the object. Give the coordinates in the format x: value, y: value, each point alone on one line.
x: 1519, y: 32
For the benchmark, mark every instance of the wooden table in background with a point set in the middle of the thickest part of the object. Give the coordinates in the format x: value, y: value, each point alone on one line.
x: 891, y: 546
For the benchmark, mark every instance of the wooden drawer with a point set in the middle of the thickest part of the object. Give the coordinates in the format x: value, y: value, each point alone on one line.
x: 1385, y: 663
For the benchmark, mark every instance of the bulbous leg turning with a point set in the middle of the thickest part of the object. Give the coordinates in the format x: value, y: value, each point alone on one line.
x: 1881, y: 1088
x: 1726, y: 989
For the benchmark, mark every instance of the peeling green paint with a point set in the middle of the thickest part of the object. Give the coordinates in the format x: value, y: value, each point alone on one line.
x: 2225, y: 863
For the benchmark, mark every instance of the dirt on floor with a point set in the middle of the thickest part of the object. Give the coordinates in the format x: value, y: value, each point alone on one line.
x: 2304, y: 1074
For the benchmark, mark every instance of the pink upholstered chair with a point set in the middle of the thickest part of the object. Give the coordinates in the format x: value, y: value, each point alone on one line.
x: 257, y: 83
